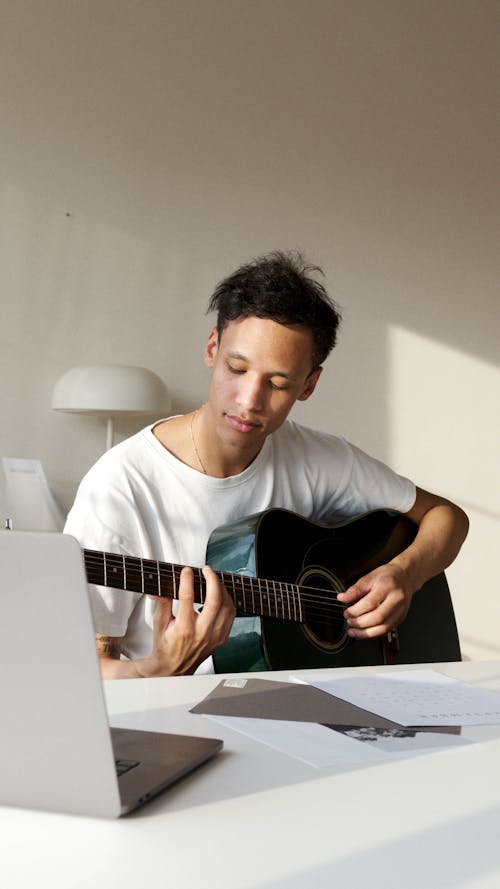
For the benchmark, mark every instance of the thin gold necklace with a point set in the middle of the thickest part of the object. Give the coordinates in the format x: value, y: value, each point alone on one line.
x: 195, y: 449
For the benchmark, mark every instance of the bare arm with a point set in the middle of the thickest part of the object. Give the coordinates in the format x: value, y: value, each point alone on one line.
x: 180, y: 643
x: 380, y: 601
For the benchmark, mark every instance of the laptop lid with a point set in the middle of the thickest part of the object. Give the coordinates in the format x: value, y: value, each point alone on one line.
x: 56, y: 750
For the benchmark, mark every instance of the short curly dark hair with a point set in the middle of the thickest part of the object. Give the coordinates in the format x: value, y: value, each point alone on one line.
x: 280, y: 286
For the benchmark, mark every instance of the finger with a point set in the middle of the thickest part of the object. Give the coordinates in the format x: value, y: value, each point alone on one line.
x: 369, y: 632
x: 367, y: 603
x: 380, y: 620
x: 163, y: 608
x: 374, y: 618
x: 162, y: 617
x: 224, y: 620
x: 372, y: 592
x: 218, y: 613
x: 186, y: 612
x: 227, y: 606
x: 215, y: 595
x: 358, y: 592
x: 352, y: 594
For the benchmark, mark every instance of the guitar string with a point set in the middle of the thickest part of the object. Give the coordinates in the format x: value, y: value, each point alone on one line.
x: 316, y: 595
x: 271, y: 607
x: 303, y: 595
x: 288, y: 611
x: 166, y: 574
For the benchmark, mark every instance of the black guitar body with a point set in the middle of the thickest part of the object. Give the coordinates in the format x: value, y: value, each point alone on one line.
x: 289, y: 548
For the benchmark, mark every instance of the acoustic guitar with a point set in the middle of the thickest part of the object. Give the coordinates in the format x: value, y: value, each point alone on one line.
x: 288, y: 570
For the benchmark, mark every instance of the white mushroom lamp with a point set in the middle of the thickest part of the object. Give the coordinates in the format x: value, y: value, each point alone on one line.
x: 110, y: 390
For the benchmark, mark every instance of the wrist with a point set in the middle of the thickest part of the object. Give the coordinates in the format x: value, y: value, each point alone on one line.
x: 410, y: 580
x: 149, y: 668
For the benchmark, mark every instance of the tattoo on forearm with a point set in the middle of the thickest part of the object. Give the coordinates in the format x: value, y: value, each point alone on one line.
x: 107, y: 645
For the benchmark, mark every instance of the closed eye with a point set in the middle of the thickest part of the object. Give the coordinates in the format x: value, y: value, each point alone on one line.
x: 242, y: 370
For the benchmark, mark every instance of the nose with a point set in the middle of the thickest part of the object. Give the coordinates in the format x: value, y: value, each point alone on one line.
x: 250, y: 393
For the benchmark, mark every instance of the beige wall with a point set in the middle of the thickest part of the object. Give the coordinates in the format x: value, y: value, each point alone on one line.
x: 148, y: 147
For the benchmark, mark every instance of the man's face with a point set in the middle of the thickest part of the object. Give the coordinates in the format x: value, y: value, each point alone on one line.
x: 260, y: 369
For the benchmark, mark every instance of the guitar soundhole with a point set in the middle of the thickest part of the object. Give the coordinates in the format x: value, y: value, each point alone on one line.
x: 324, y: 623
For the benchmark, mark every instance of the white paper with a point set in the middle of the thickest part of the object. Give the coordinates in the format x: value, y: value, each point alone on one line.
x: 322, y: 747
x: 416, y: 697
x: 29, y: 501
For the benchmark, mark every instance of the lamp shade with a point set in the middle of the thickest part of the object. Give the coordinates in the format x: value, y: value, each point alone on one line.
x: 110, y: 389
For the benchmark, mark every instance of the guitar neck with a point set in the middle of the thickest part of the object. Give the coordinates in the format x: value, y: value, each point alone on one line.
x: 251, y: 595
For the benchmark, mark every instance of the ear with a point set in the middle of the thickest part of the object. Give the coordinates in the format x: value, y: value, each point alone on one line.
x: 211, y: 348
x: 310, y: 384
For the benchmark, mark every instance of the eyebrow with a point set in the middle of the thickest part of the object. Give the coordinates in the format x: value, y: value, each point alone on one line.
x: 275, y: 373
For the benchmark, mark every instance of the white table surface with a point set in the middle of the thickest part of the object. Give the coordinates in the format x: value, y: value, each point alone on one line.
x: 254, y: 817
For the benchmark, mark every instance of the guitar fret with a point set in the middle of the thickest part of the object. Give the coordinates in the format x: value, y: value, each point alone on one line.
x: 287, y: 591
x: 148, y: 577
x: 299, y: 603
x: 255, y: 581
x: 114, y: 570
x: 238, y: 586
x: 282, y: 599
x: 274, y: 597
x: 278, y: 598
x: 201, y: 586
x: 283, y: 603
x: 132, y: 571
x: 288, y: 603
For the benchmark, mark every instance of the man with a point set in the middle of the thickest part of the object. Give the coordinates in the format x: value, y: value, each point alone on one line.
x: 161, y: 493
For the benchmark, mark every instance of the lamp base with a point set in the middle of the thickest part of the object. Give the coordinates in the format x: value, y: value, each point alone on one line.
x: 109, y: 433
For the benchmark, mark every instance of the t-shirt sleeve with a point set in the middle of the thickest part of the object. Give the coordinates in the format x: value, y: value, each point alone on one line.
x: 326, y: 478
x: 370, y: 484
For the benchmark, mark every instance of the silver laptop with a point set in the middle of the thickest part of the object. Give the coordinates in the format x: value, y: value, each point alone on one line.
x: 57, y: 750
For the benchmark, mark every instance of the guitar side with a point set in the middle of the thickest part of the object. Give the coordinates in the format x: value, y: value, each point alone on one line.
x: 280, y: 545
x: 233, y: 548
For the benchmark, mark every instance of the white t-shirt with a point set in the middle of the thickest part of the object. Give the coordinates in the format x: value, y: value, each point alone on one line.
x: 140, y: 500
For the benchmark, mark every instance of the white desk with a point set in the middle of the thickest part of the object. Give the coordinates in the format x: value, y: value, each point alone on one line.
x: 256, y: 819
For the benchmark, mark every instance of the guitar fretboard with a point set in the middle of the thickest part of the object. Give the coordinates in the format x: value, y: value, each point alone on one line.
x: 251, y: 595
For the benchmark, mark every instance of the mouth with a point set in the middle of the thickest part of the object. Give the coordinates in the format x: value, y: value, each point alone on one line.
x: 240, y: 424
